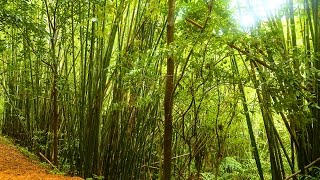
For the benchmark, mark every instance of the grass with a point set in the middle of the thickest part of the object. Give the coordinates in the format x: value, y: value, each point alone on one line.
x: 6, y: 140
x: 27, y: 153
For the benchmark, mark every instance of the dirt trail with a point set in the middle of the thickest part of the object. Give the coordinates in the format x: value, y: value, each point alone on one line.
x: 15, y: 166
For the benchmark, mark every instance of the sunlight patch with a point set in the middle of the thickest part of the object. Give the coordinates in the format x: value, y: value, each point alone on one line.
x: 248, y: 12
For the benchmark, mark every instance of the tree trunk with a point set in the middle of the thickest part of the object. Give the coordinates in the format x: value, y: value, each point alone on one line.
x: 168, y: 99
x: 55, y: 119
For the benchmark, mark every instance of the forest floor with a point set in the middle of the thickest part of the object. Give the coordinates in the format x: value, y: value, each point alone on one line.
x: 16, y: 166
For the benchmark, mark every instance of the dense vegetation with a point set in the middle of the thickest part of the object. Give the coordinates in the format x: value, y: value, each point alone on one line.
x: 110, y: 89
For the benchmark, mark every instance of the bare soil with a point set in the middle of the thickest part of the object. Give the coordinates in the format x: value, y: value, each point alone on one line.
x: 15, y: 166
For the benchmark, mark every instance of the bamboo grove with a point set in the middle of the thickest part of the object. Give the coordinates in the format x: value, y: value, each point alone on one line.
x: 85, y: 84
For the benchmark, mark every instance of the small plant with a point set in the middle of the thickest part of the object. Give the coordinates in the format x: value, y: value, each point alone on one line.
x: 57, y: 171
x: 208, y: 176
x: 230, y: 165
x: 96, y: 177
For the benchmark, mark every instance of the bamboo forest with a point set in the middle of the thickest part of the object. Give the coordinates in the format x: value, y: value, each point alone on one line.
x: 164, y: 89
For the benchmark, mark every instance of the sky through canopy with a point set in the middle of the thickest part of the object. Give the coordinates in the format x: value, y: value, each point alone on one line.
x: 249, y: 12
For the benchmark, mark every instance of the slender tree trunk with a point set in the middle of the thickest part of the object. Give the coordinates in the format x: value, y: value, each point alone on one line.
x: 249, y: 124
x: 55, y: 119
x: 54, y: 97
x: 52, y: 21
x: 168, y: 99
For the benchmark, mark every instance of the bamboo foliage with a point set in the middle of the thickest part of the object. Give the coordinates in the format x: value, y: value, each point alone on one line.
x: 85, y: 82
x: 300, y: 128
x: 83, y: 101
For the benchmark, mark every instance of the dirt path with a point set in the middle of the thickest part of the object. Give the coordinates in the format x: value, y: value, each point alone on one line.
x: 15, y: 166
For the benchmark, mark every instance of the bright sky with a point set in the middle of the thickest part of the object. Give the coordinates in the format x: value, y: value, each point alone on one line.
x: 252, y: 11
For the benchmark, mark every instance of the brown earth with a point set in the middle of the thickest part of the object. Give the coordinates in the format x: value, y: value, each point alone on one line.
x: 15, y: 166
